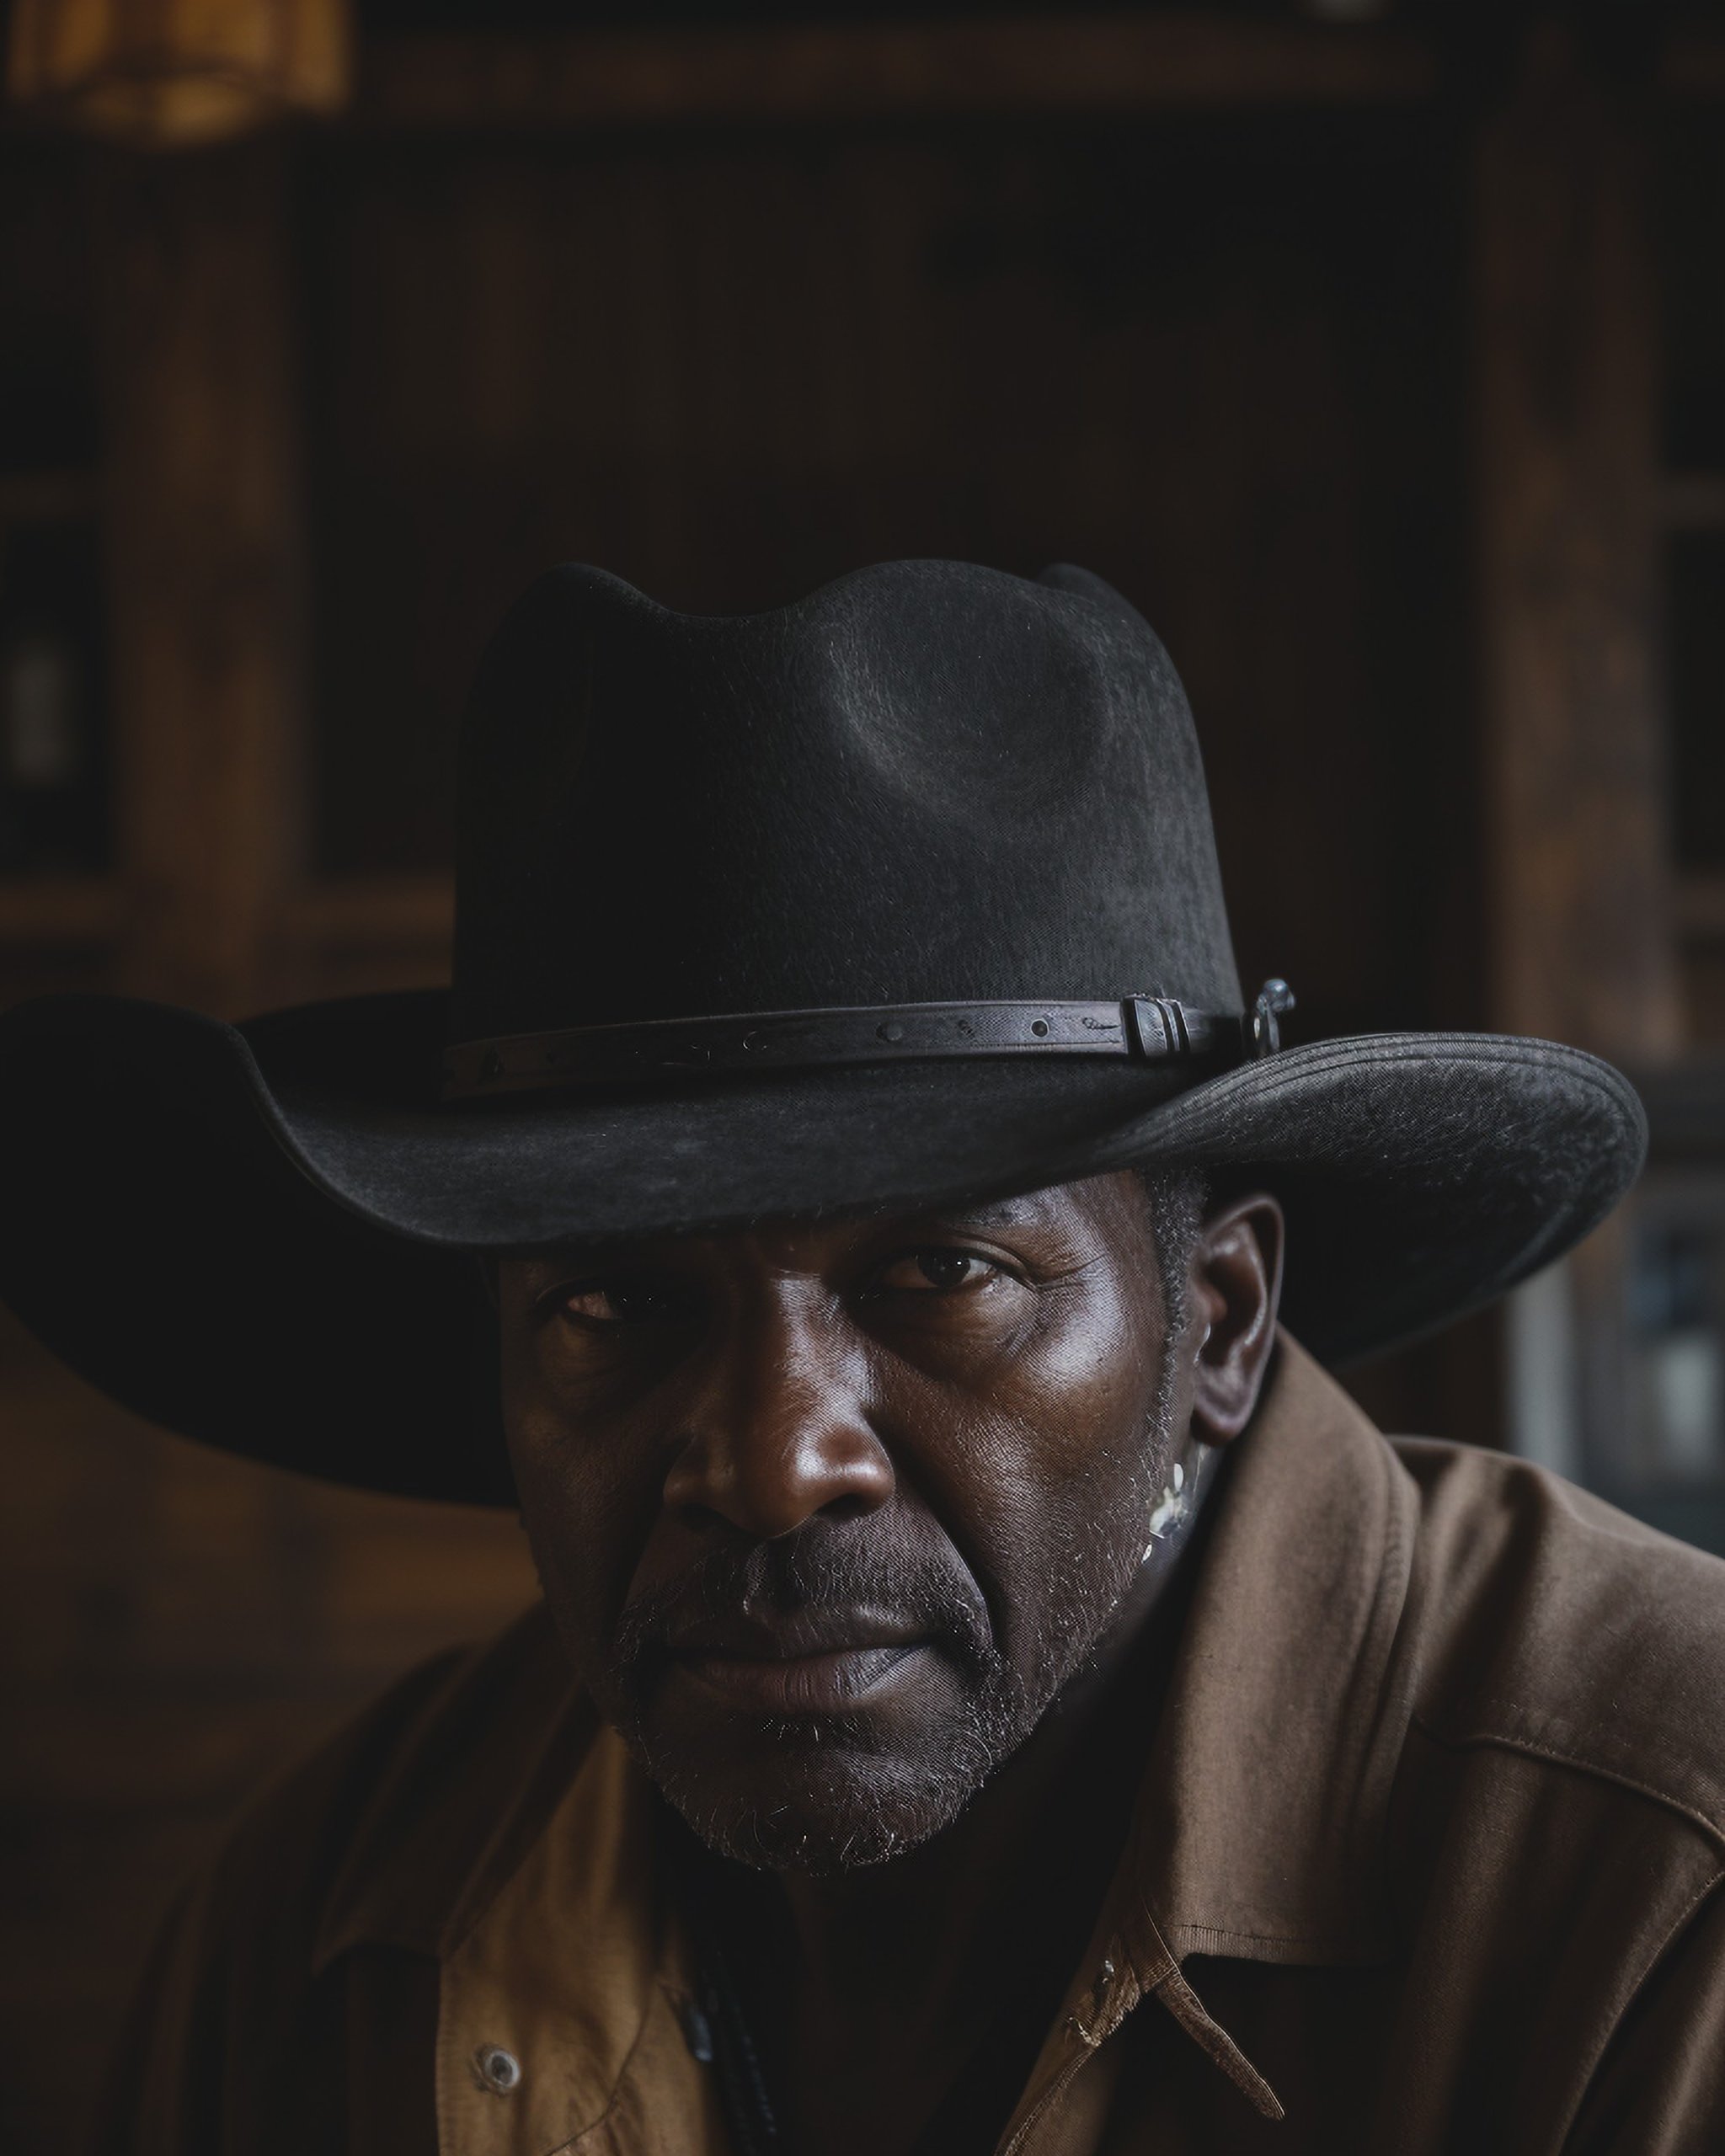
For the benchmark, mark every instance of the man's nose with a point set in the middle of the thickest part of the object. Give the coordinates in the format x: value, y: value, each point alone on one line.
x: 778, y: 1430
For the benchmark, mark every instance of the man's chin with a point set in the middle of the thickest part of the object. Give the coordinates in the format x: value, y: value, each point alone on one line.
x: 809, y: 1784
x: 821, y: 1793
x: 816, y: 1815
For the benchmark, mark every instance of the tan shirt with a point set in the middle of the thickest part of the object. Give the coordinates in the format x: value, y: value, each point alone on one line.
x: 1427, y: 1858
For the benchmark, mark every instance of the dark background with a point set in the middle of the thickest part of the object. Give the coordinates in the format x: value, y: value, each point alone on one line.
x: 1377, y: 353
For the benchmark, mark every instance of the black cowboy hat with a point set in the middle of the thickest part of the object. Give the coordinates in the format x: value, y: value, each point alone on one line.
x: 902, y: 894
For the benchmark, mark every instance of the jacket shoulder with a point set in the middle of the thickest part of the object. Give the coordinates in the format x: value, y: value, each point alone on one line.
x: 236, y: 2040
x: 384, y: 1825
x: 1551, y: 1623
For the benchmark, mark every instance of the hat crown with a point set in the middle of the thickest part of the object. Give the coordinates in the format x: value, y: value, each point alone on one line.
x: 925, y: 782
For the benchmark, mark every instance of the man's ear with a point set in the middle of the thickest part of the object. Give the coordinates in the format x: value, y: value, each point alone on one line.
x: 1234, y: 1285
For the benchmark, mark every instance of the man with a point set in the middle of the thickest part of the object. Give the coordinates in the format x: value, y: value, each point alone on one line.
x: 994, y: 1691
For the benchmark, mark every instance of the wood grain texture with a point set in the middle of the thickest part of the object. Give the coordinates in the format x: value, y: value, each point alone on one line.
x: 1565, y: 466
x: 206, y: 544
x: 174, y: 1626
x: 1691, y: 64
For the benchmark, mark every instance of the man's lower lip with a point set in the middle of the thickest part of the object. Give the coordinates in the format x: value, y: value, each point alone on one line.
x: 799, y: 1684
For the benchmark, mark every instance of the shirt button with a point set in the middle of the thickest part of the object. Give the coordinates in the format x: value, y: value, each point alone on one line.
x: 496, y: 2069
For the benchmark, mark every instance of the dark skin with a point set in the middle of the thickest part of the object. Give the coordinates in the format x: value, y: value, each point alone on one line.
x: 867, y: 1533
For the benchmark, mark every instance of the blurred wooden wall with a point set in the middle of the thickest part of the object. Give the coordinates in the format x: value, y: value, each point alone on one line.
x: 1199, y: 314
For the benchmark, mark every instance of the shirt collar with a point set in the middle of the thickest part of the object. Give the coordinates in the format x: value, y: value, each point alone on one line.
x: 1260, y: 1820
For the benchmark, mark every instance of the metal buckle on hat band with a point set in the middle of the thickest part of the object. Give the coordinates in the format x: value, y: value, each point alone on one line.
x: 1264, y: 1030
x: 1148, y: 1028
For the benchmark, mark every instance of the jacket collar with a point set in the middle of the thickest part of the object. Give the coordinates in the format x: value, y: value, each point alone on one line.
x: 1257, y: 1833
x: 1260, y: 1823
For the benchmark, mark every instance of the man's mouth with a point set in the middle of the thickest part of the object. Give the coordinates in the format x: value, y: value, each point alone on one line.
x: 807, y: 1662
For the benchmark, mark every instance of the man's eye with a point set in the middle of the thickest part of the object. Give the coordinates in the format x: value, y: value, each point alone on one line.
x: 940, y: 1271
x: 623, y: 1302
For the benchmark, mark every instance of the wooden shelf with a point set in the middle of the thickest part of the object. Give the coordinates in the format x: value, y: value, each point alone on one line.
x: 1693, y: 501
x: 361, y: 913
x: 347, y: 916
x: 50, y: 912
x: 49, y: 497
x: 358, y: 913
x: 1691, y: 64
x: 1700, y: 906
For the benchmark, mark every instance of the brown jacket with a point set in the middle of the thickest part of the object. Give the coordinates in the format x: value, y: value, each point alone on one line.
x: 1427, y: 1858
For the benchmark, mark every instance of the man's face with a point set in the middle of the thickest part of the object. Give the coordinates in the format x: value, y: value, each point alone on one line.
x: 827, y: 1513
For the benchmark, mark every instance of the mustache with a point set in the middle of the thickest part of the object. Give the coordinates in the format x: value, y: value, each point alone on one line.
x: 820, y: 1568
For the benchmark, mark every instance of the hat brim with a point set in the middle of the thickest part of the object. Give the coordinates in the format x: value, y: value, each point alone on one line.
x: 261, y: 1237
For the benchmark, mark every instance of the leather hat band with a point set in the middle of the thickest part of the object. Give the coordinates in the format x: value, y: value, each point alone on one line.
x: 1147, y: 1029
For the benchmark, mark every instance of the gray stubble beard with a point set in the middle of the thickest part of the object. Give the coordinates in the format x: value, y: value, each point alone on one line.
x: 848, y: 1816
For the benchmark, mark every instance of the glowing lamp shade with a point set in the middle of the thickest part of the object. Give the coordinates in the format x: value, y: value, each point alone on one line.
x: 159, y: 73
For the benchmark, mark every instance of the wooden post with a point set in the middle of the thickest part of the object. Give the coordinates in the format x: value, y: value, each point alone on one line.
x: 1565, y: 386
x: 207, y: 546
x: 1579, y: 898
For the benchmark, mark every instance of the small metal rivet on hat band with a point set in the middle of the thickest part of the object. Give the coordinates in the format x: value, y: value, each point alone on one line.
x: 1145, y: 1029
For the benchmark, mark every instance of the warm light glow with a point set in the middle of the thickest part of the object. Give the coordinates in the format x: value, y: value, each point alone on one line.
x: 160, y: 73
